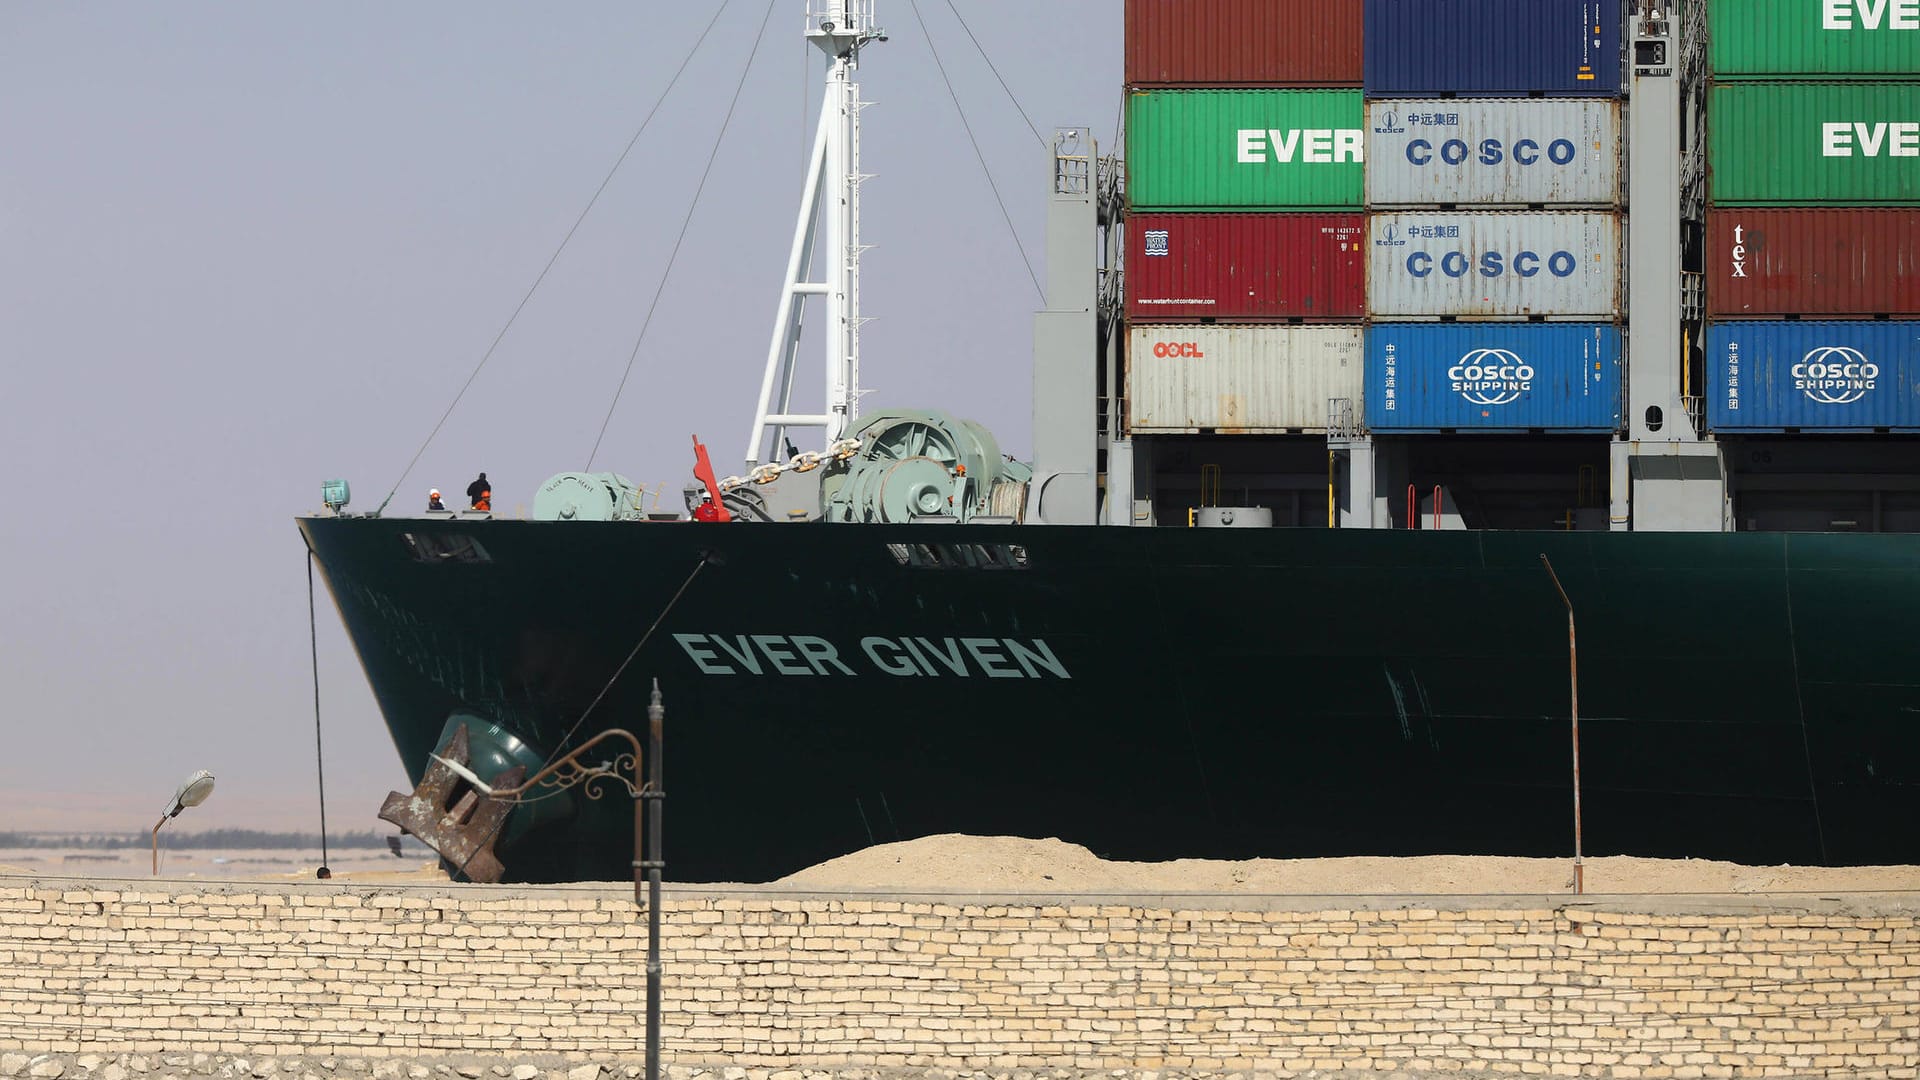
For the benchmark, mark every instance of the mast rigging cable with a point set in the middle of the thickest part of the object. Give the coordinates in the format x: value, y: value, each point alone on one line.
x: 555, y: 257
x: 566, y: 739
x: 996, y: 73
x: 633, y: 355
x: 319, y: 759
x: 982, y: 158
x: 666, y: 274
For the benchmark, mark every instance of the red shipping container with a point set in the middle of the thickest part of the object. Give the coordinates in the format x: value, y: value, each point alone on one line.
x: 1246, y: 267
x: 1821, y: 263
x: 1243, y: 43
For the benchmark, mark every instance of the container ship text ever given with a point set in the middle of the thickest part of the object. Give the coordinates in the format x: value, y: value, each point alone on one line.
x: 1418, y: 316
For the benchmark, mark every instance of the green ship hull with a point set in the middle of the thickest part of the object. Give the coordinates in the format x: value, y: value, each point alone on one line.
x: 1161, y: 693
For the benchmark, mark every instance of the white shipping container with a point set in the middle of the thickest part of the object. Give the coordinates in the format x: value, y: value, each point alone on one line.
x: 1241, y: 378
x: 1493, y: 264
x: 1493, y: 151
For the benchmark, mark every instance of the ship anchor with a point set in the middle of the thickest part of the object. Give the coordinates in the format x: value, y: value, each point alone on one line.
x: 450, y: 815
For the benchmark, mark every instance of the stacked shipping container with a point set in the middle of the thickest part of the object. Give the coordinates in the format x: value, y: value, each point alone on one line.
x: 1246, y: 259
x: 1494, y: 282
x: 1813, y: 226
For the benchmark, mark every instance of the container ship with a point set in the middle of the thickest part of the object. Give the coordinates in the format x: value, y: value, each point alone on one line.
x: 1409, y: 388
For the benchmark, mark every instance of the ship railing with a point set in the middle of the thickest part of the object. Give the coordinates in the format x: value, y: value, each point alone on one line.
x: 1110, y: 176
x: 848, y: 13
x: 1072, y: 161
x: 1696, y: 407
x: 1693, y: 296
x: 1110, y: 295
x: 1343, y: 423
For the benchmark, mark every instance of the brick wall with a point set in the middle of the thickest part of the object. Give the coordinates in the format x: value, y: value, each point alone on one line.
x: 1618, y: 987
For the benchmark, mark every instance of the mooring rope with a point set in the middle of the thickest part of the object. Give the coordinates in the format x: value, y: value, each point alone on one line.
x: 584, y: 713
x: 673, y: 254
x: 554, y: 258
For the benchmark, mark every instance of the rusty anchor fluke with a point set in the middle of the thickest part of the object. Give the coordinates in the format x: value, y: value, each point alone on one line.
x: 451, y: 817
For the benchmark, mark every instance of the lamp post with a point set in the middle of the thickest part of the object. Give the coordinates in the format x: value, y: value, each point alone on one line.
x: 649, y: 799
x: 192, y: 793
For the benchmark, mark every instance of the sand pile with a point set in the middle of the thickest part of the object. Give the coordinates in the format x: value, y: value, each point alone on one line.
x: 1013, y: 865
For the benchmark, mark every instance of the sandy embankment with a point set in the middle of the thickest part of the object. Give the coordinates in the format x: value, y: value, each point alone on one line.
x: 973, y: 864
x: 1012, y: 865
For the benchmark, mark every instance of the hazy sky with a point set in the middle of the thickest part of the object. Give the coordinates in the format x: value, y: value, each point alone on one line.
x: 247, y: 247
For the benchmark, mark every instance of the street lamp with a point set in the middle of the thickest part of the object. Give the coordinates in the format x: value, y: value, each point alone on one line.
x: 192, y: 793
x: 568, y: 772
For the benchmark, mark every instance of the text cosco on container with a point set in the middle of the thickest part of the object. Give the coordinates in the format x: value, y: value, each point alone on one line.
x: 1491, y: 264
x: 1492, y: 152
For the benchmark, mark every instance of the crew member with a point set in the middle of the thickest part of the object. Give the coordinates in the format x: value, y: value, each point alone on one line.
x: 480, y: 493
x: 433, y: 500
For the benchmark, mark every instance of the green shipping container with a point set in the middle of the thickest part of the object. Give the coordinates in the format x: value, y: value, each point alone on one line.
x: 1814, y: 144
x: 1245, y: 149
x: 1813, y: 39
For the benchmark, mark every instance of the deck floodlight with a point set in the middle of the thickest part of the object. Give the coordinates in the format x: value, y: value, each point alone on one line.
x: 192, y: 793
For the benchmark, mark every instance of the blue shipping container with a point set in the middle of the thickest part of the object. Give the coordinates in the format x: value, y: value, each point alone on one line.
x: 1493, y: 48
x: 1493, y: 376
x: 1814, y: 376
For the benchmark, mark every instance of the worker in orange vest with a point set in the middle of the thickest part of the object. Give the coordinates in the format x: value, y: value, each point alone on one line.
x: 480, y: 493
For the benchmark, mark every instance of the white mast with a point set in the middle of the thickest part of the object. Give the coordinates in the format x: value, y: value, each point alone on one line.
x: 830, y: 203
